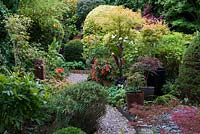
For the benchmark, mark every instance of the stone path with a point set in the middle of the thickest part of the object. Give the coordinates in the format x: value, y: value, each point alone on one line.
x: 75, y: 78
x: 114, y: 123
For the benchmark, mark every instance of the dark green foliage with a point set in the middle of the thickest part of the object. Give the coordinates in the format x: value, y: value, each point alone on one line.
x: 69, y: 130
x: 3, y: 13
x: 6, y: 54
x: 21, y: 100
x: 79, y: 105
x: 135, y: 5
x: 84, y: 7
x: 73, y: 50
x: 188, y: 82
x: 170, y: 52
x: 183, y: 15
x: 11, y: 4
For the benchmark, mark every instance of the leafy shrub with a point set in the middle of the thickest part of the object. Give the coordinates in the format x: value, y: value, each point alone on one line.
x: 116, y: 96
x: 75, y: 65
x: 182, y: 15
x: 169, y: 87
x: 109, y: 26
x: 170, y: 51
x: 3, y: 14
x: 6, y: 54
x: 70, y: 19
x: 85, y: 6
x: 131, y: 4
x: 151, y: 35
x: 80, y: 105
x: 46, y: 16
x: 52, y: 58
x: 104, y: 19
x: 17, y: 27
x: 21, y: 100
x: 73, y: 50
x: 188, y: 81
x: 69, y: 130
x: 11, y: 5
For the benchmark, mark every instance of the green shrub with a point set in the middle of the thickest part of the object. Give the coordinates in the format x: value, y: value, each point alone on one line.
x: 85, y: 6
x: 11, y: 4
x: 73, y: 50
x: 17, y: 27
x: 69, y: 130
x: 76, y: 65
x: 46, y: 16
x: 79, y: 105
x: 6, y: 53
x: 70, y: 19
x: 21, y: 100
x: 108, y: 26
x: 188, y: 81
x: 170, y: 51
x: 182, y: 15
x: 116, y: 96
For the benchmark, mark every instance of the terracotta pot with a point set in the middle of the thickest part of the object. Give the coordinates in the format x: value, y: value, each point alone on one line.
x: 148, y: 92
x: 132, y: 97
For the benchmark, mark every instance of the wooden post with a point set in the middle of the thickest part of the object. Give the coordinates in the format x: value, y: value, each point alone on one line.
x: 40, y: 69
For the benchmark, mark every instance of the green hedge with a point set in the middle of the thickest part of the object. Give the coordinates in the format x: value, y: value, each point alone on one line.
x: 73, y: 50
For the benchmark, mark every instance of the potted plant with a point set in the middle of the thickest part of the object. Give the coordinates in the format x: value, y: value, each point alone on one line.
x: 134, y: 95
x: 153, y: 71
x: 138, y: 80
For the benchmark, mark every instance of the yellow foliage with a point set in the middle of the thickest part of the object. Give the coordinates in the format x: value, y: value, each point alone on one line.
x: 153, y: 32
x: 107, y: 18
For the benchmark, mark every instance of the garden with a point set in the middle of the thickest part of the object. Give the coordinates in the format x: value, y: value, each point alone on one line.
x: 99, y: 67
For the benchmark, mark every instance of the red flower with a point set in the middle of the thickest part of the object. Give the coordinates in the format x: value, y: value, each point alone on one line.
x: 95, y: 61
x: 60, y: 70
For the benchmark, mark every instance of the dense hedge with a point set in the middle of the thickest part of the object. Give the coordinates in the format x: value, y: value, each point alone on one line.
x: 188, y: 81
x: 73, y: 50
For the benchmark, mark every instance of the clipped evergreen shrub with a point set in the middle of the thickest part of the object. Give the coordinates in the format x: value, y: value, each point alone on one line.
x: 188, y: 82
x: 73, y: 50
x: 80, y: 105
x: 69, y: 130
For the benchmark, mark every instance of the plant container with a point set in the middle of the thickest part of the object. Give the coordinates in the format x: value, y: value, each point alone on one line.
x: 134, y: 97
x: 148, y: 92
x: 157, y: 80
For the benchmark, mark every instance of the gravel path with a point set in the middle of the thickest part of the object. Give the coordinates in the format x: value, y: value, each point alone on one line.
x: 114, y: 123
x: 75, y: 78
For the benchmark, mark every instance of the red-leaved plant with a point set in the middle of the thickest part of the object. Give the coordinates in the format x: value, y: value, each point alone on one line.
x: 101, y: 70
x: 187, y: 118
x: 148, y: 114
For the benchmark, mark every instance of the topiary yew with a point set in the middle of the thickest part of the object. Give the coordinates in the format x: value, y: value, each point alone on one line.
x: 188, y: 82
x: 73, y: 50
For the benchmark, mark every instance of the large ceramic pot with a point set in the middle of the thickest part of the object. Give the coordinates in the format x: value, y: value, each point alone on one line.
x: 157, y: 80
x: 148, y: 92
x: 134, y: 97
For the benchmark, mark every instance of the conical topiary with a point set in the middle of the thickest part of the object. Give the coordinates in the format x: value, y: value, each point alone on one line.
x: 188, y: 82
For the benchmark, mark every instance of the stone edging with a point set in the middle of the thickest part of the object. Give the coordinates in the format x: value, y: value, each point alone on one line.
x: 80, y: 71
